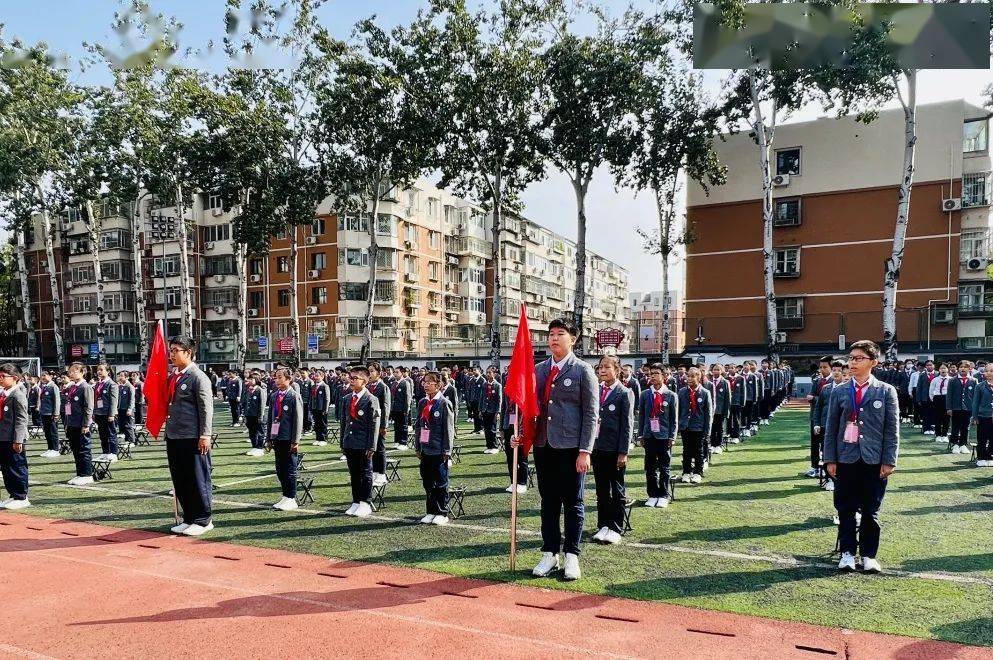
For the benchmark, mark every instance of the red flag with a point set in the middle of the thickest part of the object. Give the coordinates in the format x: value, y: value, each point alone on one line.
x: 156, y: 387
x: 521, y: 385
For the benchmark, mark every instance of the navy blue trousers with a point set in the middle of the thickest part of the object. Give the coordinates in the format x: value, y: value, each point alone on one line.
x: 561, y: 487
x: 79, y: 440
x: 859, y: 488
x: 434, y: 478
x: 320, y: 426
x: 360, y: 474
x: 286, y: 467
x: 190, y: 471
x: 15, y: 470
x: 108, y: 434
x: 51, y: 430
x: 125, y: 424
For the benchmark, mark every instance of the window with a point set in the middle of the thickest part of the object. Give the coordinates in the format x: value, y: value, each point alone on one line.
x: 170, y: 297
x: 354, y: 257
x: 255, y: 266
x: 356, y: 223
x: 434, y: 270
x: 82, y: 274
x: 170, y: 265
x: 319, y: 295
x: 386, y: 259
x: 386, y: 225
x: 214, y: 201
x: 256, y: 300
x: 283, y: 298
x: 788, y: 161
x: 386, y: 291
x: 318, y: 261
x: 213, y: 233
x: 223, y: 265
x: 114, y: 239
x: 282, y: 264
x: 410, y: 264
x: 787, y: 213
x: 973, y: 244
x: 318, y: 227
x: 789, y: 308
x: 473, y: 275
x: 975, y: 189
x: 475, y: 304
x: 411, y: 235
x: 281, y: 234
x: 971, y: 296
x: 975, y: 135
x: 255, y: 330
x: 354, y: 291
x: 283, y: 329
x: 787, y: 262
x: 81, y: 303
x: 220, y: 297
x: 434, y: 239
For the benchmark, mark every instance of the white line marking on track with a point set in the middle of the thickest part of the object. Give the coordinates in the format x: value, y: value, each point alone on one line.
x: 23, y: 653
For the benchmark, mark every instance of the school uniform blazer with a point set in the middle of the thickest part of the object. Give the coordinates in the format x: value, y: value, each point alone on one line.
x: 959, y: 397
x: 234, y: 389
x: 125, y: 399
x: 191, y: 413
x: 452, y: 395
x: 752, y: 391
x: 616, y: 420
x: 720, y: 395
x: 635, y: 387
x: 738, y: 391
x: 402, y: 396
x: 818, y: 416
x: 14, y: 424
x: 139, y: 397
x: 381, y: 391
x: 878, y: 420
x: 303, y: 389
x: 33, y: 397
x: 363, y: 431
x: 320, y: 397
x: 705, y: 410
x: 81, y: 406
x: 105, y: 404
x: 255, y: 401
x: 506, y: 409
x: 816, y: 383
x: 922, y: 393
x: 440, y: 425
x: 491, y: 403
x: 568, y: 420
x: 50, y: 401
x: 982, y: 400
x: 290, y: 417
x: 668, y: 417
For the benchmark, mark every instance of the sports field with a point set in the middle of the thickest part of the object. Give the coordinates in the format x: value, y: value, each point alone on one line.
x: 753, y: 538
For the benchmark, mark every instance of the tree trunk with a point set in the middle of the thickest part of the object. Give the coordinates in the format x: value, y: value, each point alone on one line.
x: 53, y: 281
x: 137, y: 229
x: 94, y: 224
x: 22, y: 274
x: 371, y: 293
x: 764, y: 136
x: 580, y: 186
x: 496, y: 258
x: 294, y: 283
x: 185, y: 294
x: 241, y: 266
x: 891, y: 277
x: 664, y: 207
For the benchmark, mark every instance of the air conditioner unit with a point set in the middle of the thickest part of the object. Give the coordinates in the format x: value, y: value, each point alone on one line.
x: 312, y: 274
x: 219, y: 309
x: 113, y: 316
x: 780, y: 337
x: 977, y: 263
x: 378, y: 334
x: 312, y: 309
x: 408, y: 244
x: 216, y: 212
x: 209, y: 245
x: 781, y: 180
x: 410, y: 277
x: 951, y: 204
x: 219, y: 279
x: 68, y: 284
x: 311, y: 240
x: 944, y: 316
x: 219, y: 345
x: 253, y: 313
x: 256, y: 278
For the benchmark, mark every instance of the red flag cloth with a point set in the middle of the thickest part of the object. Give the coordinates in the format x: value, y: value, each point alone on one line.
x: 156, y: 387
x: 522, y: 384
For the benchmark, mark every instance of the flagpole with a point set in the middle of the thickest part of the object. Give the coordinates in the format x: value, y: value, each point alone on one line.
x: 513, y: 495
x: 164, y: 325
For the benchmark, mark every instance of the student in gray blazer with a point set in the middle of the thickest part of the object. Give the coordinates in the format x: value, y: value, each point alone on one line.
x: 14, y: 417
x: 720, y: 395
x: 320, y: 407
x: 961, y: 391
x: 125, y: 407
x: 861, y: 443
x: 284, y: 426
x: 434, y: 434
x: 566, y: 428
x: 105, y: 402
x: 610, y: 450
x: 820, y: 412
x: 657, y: 427
x: 78, y: 415
x: 188, y: 428
x: 490, y: 401
x: 256, y: 403
x: 49, y: 405
x: 982, y: 417
x: 360, y: 419
x: 696, y: 410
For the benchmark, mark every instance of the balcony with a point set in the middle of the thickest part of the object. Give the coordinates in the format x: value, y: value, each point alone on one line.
x: 980, y: 343
x: 789, y: 322
x: 974, y: 311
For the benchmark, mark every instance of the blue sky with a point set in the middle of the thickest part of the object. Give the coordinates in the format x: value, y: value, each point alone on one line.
x: 65, y: 24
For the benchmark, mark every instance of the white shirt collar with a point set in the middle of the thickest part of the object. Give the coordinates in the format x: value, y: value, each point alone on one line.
x: 561, y: 363
x: 438, y: 395
x: 661, y: 390
x: 186, y: 368
x: 360, y: 393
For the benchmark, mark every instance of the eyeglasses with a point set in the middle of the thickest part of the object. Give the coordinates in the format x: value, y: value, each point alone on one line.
x: 176, y: 349
x: 858, y: 358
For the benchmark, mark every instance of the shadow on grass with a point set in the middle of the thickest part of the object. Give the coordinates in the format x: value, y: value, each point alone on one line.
x: 952, y: 563
x: 973, y: 631
x: 714, y: 584
x: 742, y: 533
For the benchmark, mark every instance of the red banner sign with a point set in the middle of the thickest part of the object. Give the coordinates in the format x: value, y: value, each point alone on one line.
x: 609, y: 337
x: 78, y: 350
x: 285, y: 345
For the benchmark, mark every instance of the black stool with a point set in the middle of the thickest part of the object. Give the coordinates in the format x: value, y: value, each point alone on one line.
x: 531, y: 475
x: 392, y: 470
x: 124, y: 450
x: 628, y: 505
x: 456, y: 454
x: 303, y: 490
x: 456, y: 501
x: 379, y: 496
x: 101, y: 470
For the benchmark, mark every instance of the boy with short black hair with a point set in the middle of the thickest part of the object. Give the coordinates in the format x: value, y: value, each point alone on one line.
x: 360, y: 418
x: 78, y: 411
x: 14, y: 418
x: 434, y: 434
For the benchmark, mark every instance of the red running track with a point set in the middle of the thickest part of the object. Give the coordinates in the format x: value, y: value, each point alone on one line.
x: 78, y: 590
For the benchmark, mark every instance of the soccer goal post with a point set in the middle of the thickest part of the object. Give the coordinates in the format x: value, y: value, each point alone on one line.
x: 30, y: 366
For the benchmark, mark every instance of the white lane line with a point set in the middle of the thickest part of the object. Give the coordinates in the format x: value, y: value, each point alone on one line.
x: 272, y: 475
x: 23, y: 653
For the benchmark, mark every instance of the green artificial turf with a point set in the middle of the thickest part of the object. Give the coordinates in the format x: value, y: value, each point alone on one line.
x: 935, y: 520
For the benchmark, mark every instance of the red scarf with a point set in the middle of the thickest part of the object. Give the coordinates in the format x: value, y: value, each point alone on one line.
x: 548, y: 383
x: 353, y: 410
x: 657, y: 406
x: 693, y: 404
x: 426, y: 411
x: 279, y: 404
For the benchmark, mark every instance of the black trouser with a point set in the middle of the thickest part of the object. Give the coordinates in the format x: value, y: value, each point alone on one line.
x: 320, y: 425
x: 489, y: 429
x: 235, y: 410
x: 360, y: 475
x: 658, y: 458
x: 400, y: 435
x: 717, y: 431
x: 125, y: 424
x: 984, y: 438
x: 434, y: 478
x: 255, y: 434
x: 379, y: 458
x: 694, y: 451
x: 308, y: 419
x: 916, y: 411
x: 939, y: 415
x: 749, y: 419
x: 35, y: 417
x: 190, y: 472
x: 960, y: 427
x: 765, y: 405
x: 474, y: 416
x: 51, y: 430
x: 609, y: 491
x: 859, y: 488
x: 522, y: 459
x: 734, y: 422
x: 816, y: 446
x: 79, y: 440
x: 561, y: 487
x: 927, y: 415
x: 139, y: 414
x: 14, y: 467
x: 108, y: 434
x: 286, y: 467
x: 903, y: 399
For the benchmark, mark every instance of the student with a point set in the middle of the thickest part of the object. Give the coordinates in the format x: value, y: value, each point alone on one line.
x: 752, y: 393
x: 320, y: 406
x: 78, y: 411
x: 508, y: 422
x: 721, y: 396
x: 188, y: 427
x: 861, y: 443
x: 610, y: 450
x: 657, y: 426
x: 448, y: 391
x: 922, y: 398
x: 434, y: 434
x: 233, y: 390
x: 359, y: 435
x: 490, y: 400
x: 256, y: 404
x: 125, y: 408
x: 938, y: 393
x: 303, y: 383
x: 736, y: 388
x: 959, y: 402
x: 695, y: 412
x: 474, y: 393
x: 982, y: 416
x: 821, y: 406
x: 34, y: 399
x: 378, y: 389
x: 566, y: 429
x: 284, y: 426
x: 817, y: 383
x: 49, y: 404
x: 105, y: 402
x: 402, y: 398
x: 139, y: 398
x: 629, y: 381
x: 14, y: 418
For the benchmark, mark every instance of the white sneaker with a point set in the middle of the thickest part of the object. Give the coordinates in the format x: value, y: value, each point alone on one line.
x: 364, y: 510
x: 612, y: 537
x: 510, y: 488
x: 938, y: 440
x: 400, y: 447
x: 440, y: 520
x: 81, y: 481
x: 662, y: 503
x: 651, y: 501
x: 955, y: 449
x: 549, y: 562
x: 686, y: 478
x: 812, y: 472
x: 286, y: 504
x: 428, y: 519
x: 836, y: 520
x: 571, y: 569
x: 180, y: 528
x: 929, y: 432
x: 829, y: 486
x: 4, y: 503
x: 49, y: 453
x: 351, y: 510
x: 255, y: 451
x: 112, y: 458
x: 717, y: 450
x: 696, y: 478
x: 14, y: 505
x: 522, y: 489
x: 735, y: 441
x: 870, y: 565
x: 378, y: 479
x: 493, y: 450
x: 600, y: 534
x: 320, y: 443
x: 342, y: 458
x: 198, y: 530
x: 847, y: 562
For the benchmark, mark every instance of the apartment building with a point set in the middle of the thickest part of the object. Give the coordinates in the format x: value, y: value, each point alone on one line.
x: 647, y: 317
x: 836, y: 187
x: 433, y: 295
